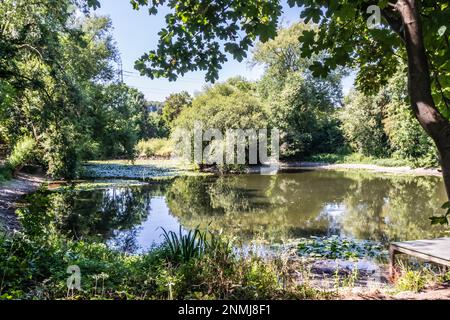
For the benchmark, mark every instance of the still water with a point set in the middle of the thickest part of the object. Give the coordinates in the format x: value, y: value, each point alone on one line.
x: 273, y: 208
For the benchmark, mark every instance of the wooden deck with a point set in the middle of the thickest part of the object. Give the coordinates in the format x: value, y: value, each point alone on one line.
x: 436, y: 250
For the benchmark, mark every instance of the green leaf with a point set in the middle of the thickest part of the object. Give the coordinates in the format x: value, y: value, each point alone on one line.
x: 95, y: 4
x: 442, y: 220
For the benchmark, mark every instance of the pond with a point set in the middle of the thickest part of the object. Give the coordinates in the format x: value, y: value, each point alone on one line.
x: 273, y: 208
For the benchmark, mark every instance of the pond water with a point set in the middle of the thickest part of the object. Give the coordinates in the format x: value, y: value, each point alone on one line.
x: 273, y: 208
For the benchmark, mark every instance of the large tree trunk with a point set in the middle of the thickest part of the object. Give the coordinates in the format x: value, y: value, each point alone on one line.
x: 419, y: 85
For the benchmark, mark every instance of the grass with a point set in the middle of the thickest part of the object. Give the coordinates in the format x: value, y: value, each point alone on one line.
x: 415, y: 276
x: 356, y: 158
x: 184, y: 247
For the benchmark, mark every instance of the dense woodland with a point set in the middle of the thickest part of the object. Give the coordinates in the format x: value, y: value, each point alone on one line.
x: 62, y: 103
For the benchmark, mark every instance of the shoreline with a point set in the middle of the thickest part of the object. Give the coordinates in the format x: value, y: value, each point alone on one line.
x: 11, y: 192
x: 121, y: 169
x: 359, y: 166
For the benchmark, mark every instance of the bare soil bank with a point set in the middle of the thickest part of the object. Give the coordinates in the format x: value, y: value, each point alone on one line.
x: 10, y: 194
x: 368, y: 167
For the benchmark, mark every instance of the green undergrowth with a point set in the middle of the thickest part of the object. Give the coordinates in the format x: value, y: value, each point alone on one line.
x: 34, y: 264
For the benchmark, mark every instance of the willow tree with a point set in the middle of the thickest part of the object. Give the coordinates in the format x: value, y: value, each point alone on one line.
x: 199, y: 33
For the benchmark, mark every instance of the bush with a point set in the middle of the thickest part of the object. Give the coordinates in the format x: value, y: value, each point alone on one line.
x: 412, y: 280
x: 156, y: 147
x: 23, y: 153
x: 408, y: 139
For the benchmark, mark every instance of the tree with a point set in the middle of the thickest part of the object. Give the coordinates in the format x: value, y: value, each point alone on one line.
x: 233, y: 104
x: 199, y: 33
x: 118, y: 119
x: 174, y: 104
x: 406, y: 138
x: 299, y: 104
x: 58, y: 88
x: 50, y: 60
x: 383, y: 125
x: 362, y: 124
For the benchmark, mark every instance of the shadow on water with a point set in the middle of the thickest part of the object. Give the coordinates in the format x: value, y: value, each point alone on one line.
x: 277, y: 207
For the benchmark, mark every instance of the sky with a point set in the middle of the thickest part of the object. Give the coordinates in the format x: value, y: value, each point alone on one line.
x: 136, y: 32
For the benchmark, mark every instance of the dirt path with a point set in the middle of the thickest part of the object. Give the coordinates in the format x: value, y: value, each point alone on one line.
x: 438, y: 292
x: 369, y: 167
x: 11, y: 192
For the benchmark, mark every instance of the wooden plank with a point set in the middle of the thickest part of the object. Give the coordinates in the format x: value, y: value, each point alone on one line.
x: 436, y: 250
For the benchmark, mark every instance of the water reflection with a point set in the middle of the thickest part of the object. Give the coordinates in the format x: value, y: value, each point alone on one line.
x: 287, y: 205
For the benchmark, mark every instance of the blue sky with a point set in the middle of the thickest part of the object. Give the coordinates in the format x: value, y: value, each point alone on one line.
x: 136, y: 32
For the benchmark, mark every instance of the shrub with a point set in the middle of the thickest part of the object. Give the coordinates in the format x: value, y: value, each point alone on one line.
x: 156, y: 147
x: 408, y: 139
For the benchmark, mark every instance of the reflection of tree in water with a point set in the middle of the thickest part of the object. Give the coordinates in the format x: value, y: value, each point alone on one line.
x: 302, y: 197
x: 125, y: 241
x: 367, y: 206
x: 273, y: 207
x: 209, y: 196
x: 364, y: 205
x: 102, y: 214
x: 287, y: 205
x: 226, y: 202
x: 394, y: 208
